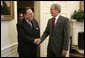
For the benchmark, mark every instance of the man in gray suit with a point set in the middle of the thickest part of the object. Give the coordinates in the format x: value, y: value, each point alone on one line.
x: 58, y: 29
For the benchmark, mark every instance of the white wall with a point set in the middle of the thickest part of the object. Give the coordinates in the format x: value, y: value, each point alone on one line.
x: 9, y: 34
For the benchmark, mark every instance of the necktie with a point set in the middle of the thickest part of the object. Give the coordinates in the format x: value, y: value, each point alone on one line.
x: 53, y: 24
x: 30, y: 24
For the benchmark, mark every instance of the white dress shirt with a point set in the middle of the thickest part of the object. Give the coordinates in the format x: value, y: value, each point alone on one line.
x: 57, y: 18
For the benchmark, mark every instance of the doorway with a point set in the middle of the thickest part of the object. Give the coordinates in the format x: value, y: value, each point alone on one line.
x: 20, y: 8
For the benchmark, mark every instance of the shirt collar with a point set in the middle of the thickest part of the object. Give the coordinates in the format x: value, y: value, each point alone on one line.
x: 28, y: 21
x: 57, y: 16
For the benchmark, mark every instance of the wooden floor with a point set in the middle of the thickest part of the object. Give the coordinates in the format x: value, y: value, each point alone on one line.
x: 74, y: 53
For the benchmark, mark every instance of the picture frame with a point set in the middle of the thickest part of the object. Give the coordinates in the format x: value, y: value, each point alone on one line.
x: 81, y: 5
x: 7, y: 10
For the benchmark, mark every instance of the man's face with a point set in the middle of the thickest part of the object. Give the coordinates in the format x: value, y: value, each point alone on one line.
x: 29, y: 15
x: 54, y: 12
x: 20, y: 16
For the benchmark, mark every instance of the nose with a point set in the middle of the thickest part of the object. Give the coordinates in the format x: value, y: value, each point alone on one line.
x: 51, y: 12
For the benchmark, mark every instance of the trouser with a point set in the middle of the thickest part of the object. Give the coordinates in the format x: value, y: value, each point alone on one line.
x: 27, y: 52
x: 50, y: 53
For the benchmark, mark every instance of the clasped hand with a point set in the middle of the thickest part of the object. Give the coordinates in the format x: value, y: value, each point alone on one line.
x: 37, y: 41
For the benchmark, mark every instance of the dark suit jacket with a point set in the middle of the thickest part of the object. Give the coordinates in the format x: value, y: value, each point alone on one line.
x: 26, y: 36
x: 58, y: 39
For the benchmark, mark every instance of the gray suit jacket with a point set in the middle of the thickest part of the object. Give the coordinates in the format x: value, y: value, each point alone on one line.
x: 59, y: 39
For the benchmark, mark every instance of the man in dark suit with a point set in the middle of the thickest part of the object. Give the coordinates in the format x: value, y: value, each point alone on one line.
x: 58, y: 31
x: 28, y: 35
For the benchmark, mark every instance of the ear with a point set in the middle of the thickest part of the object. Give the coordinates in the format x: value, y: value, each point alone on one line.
x: 24, y: 15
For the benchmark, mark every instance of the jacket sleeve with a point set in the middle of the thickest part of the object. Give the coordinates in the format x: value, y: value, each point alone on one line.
x: 46, y: 33
x: 22, y: 36
x: 66, y: 34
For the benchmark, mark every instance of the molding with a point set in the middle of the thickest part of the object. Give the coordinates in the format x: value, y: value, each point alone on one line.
x: 9, y: 51
x: 4, y: 48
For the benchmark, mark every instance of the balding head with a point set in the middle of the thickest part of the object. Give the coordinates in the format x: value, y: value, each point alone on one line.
x: 28, y: 13
x: 27, y: 10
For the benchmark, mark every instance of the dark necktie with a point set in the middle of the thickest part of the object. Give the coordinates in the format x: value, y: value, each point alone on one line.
x: 30, y: 23
x: 53, y: 24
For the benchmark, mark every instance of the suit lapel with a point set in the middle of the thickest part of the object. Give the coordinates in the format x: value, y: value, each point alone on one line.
x: 58, y: 21
x: 34, y: 25
x: 27, y: 26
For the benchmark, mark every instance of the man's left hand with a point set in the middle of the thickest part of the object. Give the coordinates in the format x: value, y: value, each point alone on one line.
x: 37, y: 41
x: 64, y: 52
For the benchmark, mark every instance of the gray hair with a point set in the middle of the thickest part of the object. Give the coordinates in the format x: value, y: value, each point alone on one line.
x: 56, y: 7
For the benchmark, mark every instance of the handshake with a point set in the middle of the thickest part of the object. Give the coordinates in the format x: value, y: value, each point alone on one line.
x: 37, y: 41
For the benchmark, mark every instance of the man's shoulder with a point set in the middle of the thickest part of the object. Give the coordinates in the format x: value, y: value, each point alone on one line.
x: 20, y: 22
x: 64, y: 17
x: 50, y: 19
x: 34, y: 20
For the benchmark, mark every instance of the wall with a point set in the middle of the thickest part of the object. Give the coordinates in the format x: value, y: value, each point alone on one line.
x: 37, y: 11
x: 9, y: 36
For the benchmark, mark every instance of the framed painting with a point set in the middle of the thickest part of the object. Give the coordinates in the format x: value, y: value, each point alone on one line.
x: 7, y: 10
